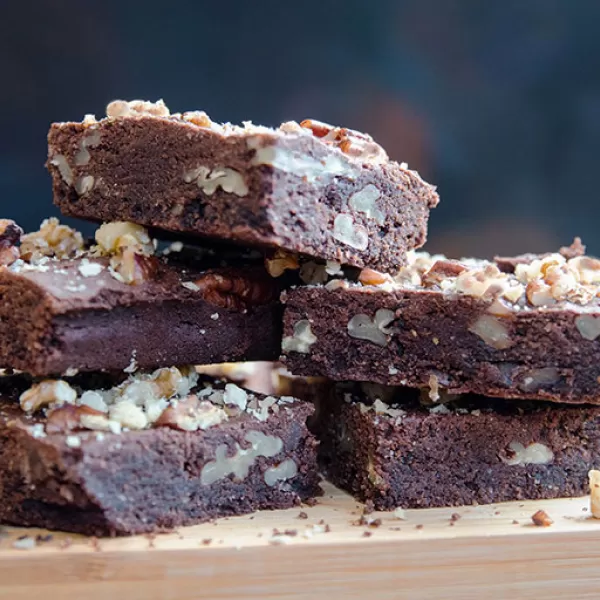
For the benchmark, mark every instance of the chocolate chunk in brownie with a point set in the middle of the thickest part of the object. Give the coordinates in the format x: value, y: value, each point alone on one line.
x: 473, y: 450
x: 324, y: 191
x: 460, y: 326
x: 158, y: 451
x: 65, y: 307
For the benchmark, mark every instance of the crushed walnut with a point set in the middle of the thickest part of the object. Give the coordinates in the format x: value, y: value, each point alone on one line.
x: 51, y: 240
x: 167, y: 397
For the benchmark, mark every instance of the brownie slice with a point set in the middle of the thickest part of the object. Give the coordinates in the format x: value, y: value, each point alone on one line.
x: 323, y: 191
x: 126, y: 461
x: 105, y: 312
x: 474, y: 450
x: 456, y: 326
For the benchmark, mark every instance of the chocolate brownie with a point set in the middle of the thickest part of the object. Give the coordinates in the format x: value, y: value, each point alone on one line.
x: 474, y: 450
x: 73, y: 308
x: 315, y: 189
x: 150, y: 455
x: 456, y: 326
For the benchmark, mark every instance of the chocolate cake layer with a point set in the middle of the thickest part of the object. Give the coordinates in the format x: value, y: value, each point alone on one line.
x: 102, y: 471
x: 323, y: 191
x: 457, y: 327
x: 471, y: 451
x: 58, y: 315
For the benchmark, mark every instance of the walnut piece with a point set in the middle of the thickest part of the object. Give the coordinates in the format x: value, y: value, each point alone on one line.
x: 52, y: 240
x: 301, y: 340
x: 210, y: 180
x: 594, y: 477
x: 122, y: 108
x: 191, y: 414
x: 363, y: 327
x: 232, y: 290
x: 371, y: 277
x: 350, y: 233
x: 67, y: 418
x: 365, y: 201
x: 113, y: 238
x: 242, y: 460
x: 533, y: 454
x: 355, y: 144
x: 10, y: 236
x: 493, y: 331
x: 588, y: 326
x: 132, y: 268
x: 197, y: 117
x: 50, y: 392
x: 280, y: 262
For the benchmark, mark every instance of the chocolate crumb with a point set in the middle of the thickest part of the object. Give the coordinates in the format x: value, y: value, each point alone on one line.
x: 311, y: 502
x: 95, y: 544
x: 44, y: 538
x: 302, y: 515
x: 455, y: 517
x: 418, y: 526
x: 541, y: 519
x: 322, y: 522
x: 395, y: 528
x: 497, y: 512
x: 290, y: 532
x: 375, y: 523
x: 451, y: 523
x: 327, y: 528
x: 151, y: 537
x: 66, y: 543
x: 207, y: 541
x: 585, y: 509
x: 515, y: 522
x: 367, y: 534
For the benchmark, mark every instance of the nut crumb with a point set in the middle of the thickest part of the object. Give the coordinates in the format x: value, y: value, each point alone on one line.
x: 367, y: 534
x: 400, y: 513
x: 455, y: 517
x: 207, y: 541
x: 515, y: 522
x: 541, y: 519
x: 44, y: 538
x: 302, y: 515
x: 419, y: 526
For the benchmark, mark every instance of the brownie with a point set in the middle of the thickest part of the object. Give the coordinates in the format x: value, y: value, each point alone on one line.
x: 457, y: 327
x: 472, y: 451
x: 100, y: 312
x: 315, y: 189
x: 92, y: 466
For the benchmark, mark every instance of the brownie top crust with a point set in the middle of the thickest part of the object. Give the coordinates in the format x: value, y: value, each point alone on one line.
x: 309, y: 188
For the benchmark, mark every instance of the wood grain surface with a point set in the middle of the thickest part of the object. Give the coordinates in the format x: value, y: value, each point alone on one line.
x: 492, y: 551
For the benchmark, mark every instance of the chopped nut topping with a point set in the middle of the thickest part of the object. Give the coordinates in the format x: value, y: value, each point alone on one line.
x: 370, y: 277
x: 281, y: 262
x: 49, y: 392
x: 52, y: 240
x: 113, y: 238
x: 191, y: 414
x: 10, y: 236
x: 67, y: 418
x: 132, y: 268
x: 121, y: 108
x: 197, y: 117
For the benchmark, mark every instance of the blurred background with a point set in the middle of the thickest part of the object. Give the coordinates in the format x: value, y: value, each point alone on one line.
x: 497, y: 103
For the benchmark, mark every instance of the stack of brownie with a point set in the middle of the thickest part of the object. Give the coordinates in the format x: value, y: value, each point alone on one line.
x: 435, y: 382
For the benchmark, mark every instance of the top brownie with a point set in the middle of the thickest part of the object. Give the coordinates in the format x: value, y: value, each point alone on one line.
x: 310, y: 188
x: 525, y: 328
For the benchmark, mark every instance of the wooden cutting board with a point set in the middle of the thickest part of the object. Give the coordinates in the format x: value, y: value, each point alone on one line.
x: 491, y: 551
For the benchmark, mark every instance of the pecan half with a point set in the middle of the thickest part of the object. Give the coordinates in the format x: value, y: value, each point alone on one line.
x: 233, y: 290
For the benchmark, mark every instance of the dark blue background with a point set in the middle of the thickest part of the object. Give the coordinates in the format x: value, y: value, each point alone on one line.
x: 498, y: 103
